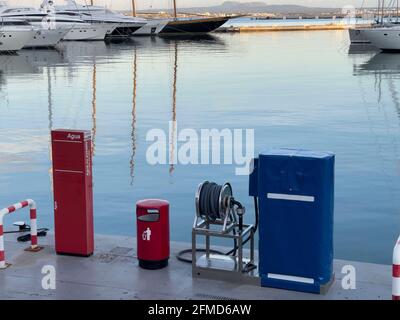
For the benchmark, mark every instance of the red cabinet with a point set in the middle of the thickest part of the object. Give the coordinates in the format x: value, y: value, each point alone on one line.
x: 73, y: 192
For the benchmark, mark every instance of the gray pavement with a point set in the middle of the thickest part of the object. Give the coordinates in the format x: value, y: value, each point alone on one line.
x: 113, y: 273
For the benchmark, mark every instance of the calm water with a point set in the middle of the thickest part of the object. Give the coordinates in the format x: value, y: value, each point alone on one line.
x: 299, y: 89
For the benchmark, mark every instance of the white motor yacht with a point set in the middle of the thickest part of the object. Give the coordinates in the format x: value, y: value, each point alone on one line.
x: 14, y: 34
x: 80, y: 30
x: 125, y: 25
x: 45, y: 36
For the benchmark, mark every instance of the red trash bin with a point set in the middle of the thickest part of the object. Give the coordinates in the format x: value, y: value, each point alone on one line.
x: 152, y: 218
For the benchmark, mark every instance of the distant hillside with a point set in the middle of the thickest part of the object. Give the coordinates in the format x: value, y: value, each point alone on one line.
x: 251, y: 7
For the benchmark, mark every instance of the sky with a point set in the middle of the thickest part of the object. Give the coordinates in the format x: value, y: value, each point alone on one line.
x: 146, y: 4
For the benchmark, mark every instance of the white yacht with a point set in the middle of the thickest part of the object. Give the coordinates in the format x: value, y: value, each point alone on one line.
x: 125, y: 25
x: 45, y: 36
x: 80, y: 30
x: 384, y: 38
x: 385, y: 32
x: 14, y: 34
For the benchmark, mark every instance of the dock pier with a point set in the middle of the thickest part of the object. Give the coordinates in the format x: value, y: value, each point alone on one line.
x: 305, y: 27
x: 113, y: 273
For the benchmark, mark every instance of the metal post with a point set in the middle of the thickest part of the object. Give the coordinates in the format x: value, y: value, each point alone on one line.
x: 396, y: 272
x: 240, y: 257
x: 252, y: 245
x: 207, y: 241
x: 194, y: 246
x: 33, y: 218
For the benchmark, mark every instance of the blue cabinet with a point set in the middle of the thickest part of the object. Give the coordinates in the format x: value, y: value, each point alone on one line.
x: 296, y: 204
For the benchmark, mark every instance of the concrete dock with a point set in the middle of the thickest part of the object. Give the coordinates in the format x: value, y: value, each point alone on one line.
x: 113, y: 273
x: 282, y: 27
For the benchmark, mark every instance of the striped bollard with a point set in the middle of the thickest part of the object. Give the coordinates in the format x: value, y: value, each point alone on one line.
x: 396, y: 272
x: 33, y: 218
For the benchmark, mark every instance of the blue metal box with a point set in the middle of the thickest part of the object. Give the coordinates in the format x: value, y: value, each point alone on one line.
x: 296, y: 198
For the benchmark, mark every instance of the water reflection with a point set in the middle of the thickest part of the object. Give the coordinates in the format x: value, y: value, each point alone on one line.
x: 49, y: 99
x: 384, y: 70
x: 133, y: 130
x: 19, y: 150
x: 362, y: 48
x: 50, y: 117
x: 201, y: 40
x: 94, y: 108
x: 173, y: 138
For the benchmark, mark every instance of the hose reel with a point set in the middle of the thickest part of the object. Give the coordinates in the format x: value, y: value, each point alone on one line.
x: 213, y: 201
x: 219, y: 215
x: 215, y: 205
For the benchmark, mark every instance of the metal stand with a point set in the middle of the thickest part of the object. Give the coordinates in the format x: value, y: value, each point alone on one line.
x: 235, y: 268
x: 232, y: 268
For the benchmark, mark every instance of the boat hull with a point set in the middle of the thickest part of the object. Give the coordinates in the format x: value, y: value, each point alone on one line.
x: 125, y: 30
x: 193, y: 26
x: 89, y: 33
x: 46, y: 38
x: 357, y: 36
x: 386, y: 39
x: 151, y: 28
x: 14, y: 40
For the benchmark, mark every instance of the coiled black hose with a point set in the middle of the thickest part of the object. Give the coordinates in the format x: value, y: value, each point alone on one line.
x: 209, y: 200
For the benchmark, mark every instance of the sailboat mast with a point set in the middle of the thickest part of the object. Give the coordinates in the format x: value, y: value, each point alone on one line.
x: 175, y: 11
x: 378, y: 10
x: 133, y: 8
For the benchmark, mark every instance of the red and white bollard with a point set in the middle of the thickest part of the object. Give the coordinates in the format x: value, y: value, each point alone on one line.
x: 34, y: 241
x: 396, y: 272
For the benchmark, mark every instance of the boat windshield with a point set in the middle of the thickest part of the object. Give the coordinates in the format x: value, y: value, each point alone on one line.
x: 16, y: 10
x: 13, y: 23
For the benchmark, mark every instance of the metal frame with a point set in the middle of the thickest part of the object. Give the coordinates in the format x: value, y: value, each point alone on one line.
x: 236, y: 273
x: 230, y: 268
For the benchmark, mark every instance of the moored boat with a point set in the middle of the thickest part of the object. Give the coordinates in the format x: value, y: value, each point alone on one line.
x: 385, y: 38
x: 14, y: 34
